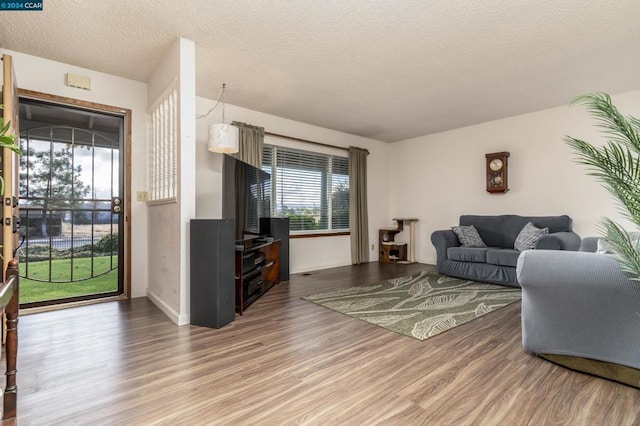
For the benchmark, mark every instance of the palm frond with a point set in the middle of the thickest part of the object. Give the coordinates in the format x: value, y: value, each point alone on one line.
x: 617, y: 168
x: 7, y: 140
x: 616, y: 164
x: 614, y: 124
x: 4, y: 127
x: 626, y: 248
x: 635, y: 122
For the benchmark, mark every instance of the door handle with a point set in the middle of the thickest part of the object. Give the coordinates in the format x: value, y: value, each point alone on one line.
x: 116, y: 205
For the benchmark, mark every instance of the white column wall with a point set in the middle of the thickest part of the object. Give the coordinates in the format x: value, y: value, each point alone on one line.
x: 168, y: 224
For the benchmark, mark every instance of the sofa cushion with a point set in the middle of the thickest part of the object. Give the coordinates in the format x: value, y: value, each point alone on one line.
x: 503, y: 257
x: 502, y: 231
x: 468, y: 236
x: 468, y: 254
x: 529, y: 237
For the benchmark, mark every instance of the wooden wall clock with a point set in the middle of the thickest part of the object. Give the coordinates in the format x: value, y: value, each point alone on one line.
x: 497, y: 176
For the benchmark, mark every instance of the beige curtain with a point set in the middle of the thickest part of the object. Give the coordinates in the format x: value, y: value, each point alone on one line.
x: 251, y: 143
x: 358, y: 213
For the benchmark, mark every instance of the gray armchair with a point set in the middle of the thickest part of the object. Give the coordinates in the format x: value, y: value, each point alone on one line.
x: 580, y: 310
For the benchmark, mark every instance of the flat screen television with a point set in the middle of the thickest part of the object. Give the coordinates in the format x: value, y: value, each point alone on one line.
x: 246, y: 195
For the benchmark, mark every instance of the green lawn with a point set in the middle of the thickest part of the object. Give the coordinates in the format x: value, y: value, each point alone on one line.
x: 36, y: 291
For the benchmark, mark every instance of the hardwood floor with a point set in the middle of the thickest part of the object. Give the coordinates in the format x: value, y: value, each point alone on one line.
x: 288, y: 361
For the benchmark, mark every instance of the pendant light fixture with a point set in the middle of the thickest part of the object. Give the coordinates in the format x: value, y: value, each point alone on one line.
x: 223, y: 137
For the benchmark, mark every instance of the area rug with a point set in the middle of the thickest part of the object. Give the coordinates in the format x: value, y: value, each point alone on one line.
x: 419, y: 306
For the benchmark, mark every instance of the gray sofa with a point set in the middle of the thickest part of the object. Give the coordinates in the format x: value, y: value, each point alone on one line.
x: 580, y: 310
x: 497, y: 262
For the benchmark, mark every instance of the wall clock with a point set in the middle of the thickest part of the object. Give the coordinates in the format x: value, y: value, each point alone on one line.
x: 497, y: 178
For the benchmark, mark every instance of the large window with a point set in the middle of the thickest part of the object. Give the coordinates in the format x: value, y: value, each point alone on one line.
x: 309, y: 188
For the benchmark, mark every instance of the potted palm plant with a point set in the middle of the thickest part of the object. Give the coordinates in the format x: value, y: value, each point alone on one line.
x: 6, y: 141
x: 616, y: 164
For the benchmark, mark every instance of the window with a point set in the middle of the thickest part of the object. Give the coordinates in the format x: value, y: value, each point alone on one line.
x: 164, y: 142
x: 309, y: 188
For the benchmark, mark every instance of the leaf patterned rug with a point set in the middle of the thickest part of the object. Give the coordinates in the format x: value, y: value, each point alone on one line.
x: 419, y: 306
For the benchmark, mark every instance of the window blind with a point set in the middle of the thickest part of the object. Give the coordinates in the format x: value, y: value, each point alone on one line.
x: 311, y: 189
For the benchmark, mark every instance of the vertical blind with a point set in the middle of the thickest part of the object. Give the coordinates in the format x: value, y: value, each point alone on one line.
x: 309, y: 188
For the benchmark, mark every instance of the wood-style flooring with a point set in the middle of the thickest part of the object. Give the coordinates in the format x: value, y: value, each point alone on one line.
x: 288, y: 361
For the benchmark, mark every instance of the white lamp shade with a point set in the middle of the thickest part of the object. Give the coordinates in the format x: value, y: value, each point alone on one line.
x: 223, y: 138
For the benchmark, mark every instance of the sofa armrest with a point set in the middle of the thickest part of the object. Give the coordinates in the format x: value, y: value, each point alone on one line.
x: 559, y: 241
x: 579, y: 304
x: 442, y: 240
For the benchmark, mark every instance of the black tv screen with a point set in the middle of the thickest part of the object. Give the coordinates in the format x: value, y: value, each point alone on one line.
x: 246, y: 195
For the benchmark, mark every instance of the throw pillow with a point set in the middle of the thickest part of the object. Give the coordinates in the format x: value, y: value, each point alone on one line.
x: 604, y: 247
x: 529, y: 237
x: 468, y: 236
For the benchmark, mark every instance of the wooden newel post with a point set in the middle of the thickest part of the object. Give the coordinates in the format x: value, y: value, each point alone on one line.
x: 11, y: 351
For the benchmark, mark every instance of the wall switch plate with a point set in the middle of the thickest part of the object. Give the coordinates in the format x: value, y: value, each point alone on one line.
x: 142, y: 195
x: 373, y: 247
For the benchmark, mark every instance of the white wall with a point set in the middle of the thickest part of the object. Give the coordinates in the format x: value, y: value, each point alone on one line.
x: 168, y: 234
x: 442, y: 175
x: 306, y: 253
x: 43, y: 75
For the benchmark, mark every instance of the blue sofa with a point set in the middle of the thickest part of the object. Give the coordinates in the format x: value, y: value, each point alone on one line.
x: 497, y: 263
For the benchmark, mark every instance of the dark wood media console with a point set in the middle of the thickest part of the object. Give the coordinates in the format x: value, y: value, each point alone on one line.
x: 257, y: 269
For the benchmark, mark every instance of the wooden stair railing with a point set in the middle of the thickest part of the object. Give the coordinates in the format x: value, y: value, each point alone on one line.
x: 9, y: 291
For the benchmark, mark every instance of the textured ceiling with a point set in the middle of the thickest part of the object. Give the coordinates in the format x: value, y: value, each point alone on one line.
x: 383, y: 69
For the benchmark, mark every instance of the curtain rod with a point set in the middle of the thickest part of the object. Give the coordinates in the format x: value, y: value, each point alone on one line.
x: 307, y: 141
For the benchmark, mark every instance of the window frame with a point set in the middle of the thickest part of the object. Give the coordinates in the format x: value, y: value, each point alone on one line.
x: 272, y: 168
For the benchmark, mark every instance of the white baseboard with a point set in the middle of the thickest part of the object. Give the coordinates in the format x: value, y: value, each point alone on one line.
x: 170, y: 312
x: 138, y: 293
x: 184, y: 319
x: 318, y: 267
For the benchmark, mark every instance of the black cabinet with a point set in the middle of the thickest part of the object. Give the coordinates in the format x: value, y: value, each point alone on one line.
x: 257, y: 269
x: 212, y: 272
